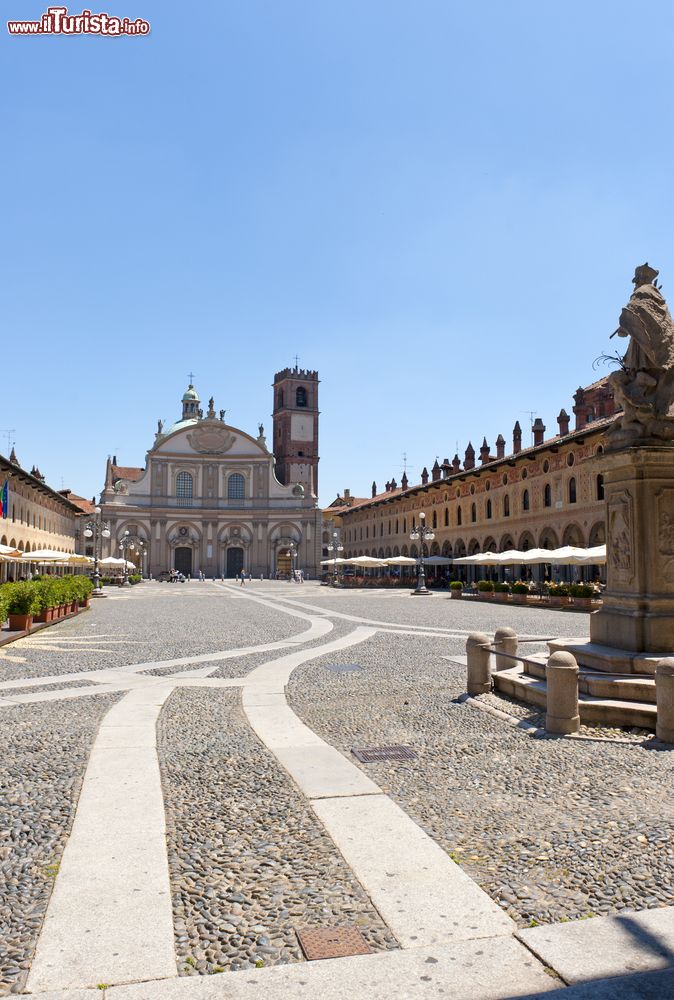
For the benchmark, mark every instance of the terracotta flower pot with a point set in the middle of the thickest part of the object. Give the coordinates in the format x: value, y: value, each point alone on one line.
x: 20, y: 623
x: 520, y: 598
x: 456, y: 594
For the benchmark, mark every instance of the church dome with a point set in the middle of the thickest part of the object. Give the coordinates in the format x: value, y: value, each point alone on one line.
x: 191, y: 394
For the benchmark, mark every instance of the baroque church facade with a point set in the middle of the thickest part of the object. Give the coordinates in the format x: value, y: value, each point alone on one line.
x: 212, y: 498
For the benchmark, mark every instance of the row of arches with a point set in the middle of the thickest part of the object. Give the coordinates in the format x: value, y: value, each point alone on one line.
x: 32, y: 546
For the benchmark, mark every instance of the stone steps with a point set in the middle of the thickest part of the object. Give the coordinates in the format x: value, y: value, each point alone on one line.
x: 601, y: 700
x: 620, y: 687
x: 606, y: 658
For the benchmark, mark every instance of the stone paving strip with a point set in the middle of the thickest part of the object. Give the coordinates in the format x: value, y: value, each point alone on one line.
x: 109, y: 918
x: 410, y: 879
x: 250, y: 863
x: 44, y: 754
x: 552, y: 830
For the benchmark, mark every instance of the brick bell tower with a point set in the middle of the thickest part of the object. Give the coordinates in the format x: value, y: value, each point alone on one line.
x: 296, y: 427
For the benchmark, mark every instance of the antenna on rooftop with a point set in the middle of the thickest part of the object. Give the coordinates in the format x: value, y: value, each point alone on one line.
x: 9, y: 431
x: 532, y: 414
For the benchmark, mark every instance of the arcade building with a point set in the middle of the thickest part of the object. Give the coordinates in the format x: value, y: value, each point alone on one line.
x: 214, y: 498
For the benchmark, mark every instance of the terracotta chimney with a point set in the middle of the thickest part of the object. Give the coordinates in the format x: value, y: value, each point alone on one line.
x: 403, y: 482
x: 424, y: 476
x: 517, y: 438
x: 484, y: 452
x: 435, y: 471
x: 347, y: 495
x: 456, y: 463
x: 500, y: 446
x: 539, y: 431
x: 374, y: 489
x: 469, y: 457
x: 446, y: 468
x: 563, y: 421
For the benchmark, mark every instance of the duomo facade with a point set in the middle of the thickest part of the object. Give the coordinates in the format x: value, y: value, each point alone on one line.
x: 212, y: 498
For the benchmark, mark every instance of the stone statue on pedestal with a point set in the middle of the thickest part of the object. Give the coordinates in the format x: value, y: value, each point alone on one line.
x: 644, y: 385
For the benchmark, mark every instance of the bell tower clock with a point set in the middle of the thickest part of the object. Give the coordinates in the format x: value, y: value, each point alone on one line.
x: 296, y: 427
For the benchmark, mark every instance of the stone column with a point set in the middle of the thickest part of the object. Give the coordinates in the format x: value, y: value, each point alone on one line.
x: 478, y: 655
x: 505, y: 641
x: 664, y: 692
x: 562, y: 694
x: 638, y: 610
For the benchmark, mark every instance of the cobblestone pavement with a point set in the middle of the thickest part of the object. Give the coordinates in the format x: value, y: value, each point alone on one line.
x: 553, y: 830
x: 147, y: 623
x: 250, y: 863
x: 44, y: 753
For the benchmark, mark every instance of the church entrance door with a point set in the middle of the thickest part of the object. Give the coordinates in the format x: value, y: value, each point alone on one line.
x: 183, y: 561
x: 234, y: 561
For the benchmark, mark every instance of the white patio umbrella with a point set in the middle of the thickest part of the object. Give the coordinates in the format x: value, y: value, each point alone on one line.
x: 112, y: 561
x: 479, y: 559
x: 595, y: 555
x: 8, y: 550
x: 46, y: 555
x: 331, y: 562
x: 437, y: 561
x: 366, y: 562
x: 400, y: 561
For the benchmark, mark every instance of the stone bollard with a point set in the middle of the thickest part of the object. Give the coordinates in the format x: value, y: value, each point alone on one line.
x: 664, y: 695
x: 479, y: 670
x: 562, y: 701
x: 505, y: 640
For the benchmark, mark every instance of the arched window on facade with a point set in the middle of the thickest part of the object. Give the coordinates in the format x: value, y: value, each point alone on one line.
x: 184, y: 489
x: 489, y: 510
x: 458, y: 516
x: 236, y: 487
x: 473, y: 512
x: 301, y: 396
x: 396, y: 526
x: 600, y: 487
x: 435, y: 518
x: 404, y: 526
x: 506, y: 506
x: 525, y: 500
x: 572, y: 490
x: 446, y: 517
x: 547, y: 495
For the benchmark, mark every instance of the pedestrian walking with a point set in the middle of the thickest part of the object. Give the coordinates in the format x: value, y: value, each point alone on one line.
x: 243, y: 579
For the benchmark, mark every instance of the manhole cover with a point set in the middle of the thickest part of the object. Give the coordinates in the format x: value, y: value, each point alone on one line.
x: 332, y: 942
x: 370, y: 755
x: 343, y: 668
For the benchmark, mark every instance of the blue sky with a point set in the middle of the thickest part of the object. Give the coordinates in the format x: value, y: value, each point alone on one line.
x: 438, y: 205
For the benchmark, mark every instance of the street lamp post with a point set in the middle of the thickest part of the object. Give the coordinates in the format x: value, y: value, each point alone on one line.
x: 421, y: 534
x: 335, y: 546
x: 293, y: 555
x: 130, y: 544
x: 98, y: 530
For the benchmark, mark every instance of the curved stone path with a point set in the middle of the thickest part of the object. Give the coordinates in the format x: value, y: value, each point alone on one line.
x: 109, y: 921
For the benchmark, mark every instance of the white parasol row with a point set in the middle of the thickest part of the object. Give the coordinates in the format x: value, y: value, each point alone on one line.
x: 568, y: 555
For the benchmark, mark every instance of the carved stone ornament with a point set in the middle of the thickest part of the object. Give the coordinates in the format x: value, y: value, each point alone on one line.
x: 666, y: 533
x: 211, y: 439
x: 620, y: 535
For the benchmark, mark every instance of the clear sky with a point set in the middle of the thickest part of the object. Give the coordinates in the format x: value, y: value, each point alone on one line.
x: 437, y: 204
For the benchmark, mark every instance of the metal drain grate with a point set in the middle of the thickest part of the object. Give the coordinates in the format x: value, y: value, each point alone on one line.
x: 343, y: 668
x: 370, y: 755
x: 332, y: 942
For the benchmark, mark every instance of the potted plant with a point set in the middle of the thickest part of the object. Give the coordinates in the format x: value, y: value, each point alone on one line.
x: 501, y: 591
x: 46, y: 599
x: 22, y: 603
x: 559, y: 594
x: 581, y: 594
x: 520, y: 592
x: 456, y: 589
x: 485, y: 588
x: 3, y: 607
